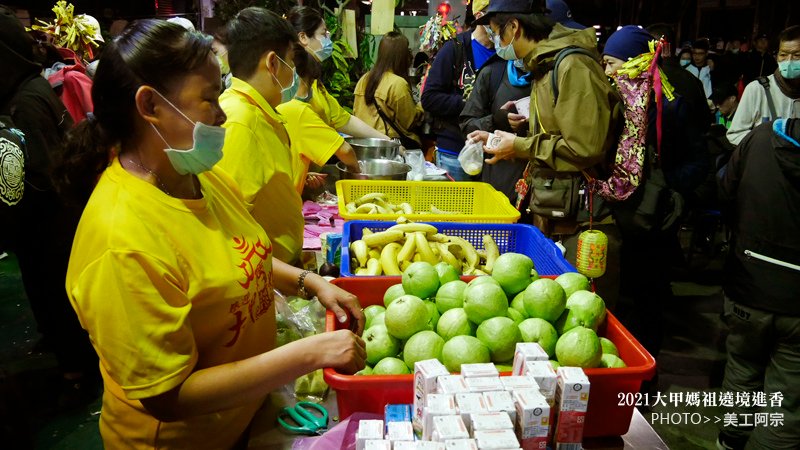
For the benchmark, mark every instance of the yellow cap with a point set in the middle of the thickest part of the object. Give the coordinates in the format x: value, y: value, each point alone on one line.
x: 479, y: 5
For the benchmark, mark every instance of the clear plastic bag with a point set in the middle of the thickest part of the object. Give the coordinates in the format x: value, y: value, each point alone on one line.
x: 297, y: 318
x: 416, y: 160
x: 471, y: 157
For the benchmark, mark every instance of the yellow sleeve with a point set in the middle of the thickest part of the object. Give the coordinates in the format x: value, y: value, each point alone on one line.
x: 316, y: 140
x: 338, y: 117
x: 242, y: 162
x: 132, y: 305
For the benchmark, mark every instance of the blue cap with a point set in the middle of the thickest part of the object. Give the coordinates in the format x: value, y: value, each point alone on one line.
x: 510, y: 6
x: 559, y: 11
x: 628, y: 42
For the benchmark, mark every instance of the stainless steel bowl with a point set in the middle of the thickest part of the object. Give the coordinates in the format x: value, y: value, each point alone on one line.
x: 372, y: 148
x: 376, y: 169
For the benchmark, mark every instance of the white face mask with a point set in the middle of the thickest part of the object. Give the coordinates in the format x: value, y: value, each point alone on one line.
x: 206, y: 150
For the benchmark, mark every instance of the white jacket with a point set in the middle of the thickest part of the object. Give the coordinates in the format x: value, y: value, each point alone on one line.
x: 704, y: 75
x: 754, y: 109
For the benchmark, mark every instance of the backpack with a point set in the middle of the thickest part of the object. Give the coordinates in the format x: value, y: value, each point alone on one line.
x: 764, y: 82
x: 73, y: 85
x: 12, y: 166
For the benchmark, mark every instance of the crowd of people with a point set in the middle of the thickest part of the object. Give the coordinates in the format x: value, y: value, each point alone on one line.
x: 169, y: 201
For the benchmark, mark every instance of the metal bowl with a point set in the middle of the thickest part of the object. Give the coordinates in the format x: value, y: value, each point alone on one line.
x: 376, y: 169
x: 372, y: 148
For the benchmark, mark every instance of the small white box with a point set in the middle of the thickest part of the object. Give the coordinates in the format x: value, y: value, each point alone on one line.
x: 461, y: 444
x: 425, y: 375
x: 399, y: 431
x: 533, y: 418
x: 496, y: 439
x: 405, y: 445
x: 523, y: 106
x: 429, y: 445
x: 572, y: 397
x: 490, y: 421
x: 479, y: 370
x: 501, y: 401
x: 514, y: 383
x: 448, y: 427
x: 437, y: 405
x: 527, y: 351
x: 451, y: 384
x: 544, y: 375
x: 374, y: 444
x: 484, y: 384
x: 470, y: 403
x: 368, y: 430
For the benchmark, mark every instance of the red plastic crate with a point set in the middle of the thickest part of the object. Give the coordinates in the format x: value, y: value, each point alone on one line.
x: 605, y: 416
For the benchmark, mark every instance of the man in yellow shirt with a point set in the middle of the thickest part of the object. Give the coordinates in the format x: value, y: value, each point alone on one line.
x: 256, y: 152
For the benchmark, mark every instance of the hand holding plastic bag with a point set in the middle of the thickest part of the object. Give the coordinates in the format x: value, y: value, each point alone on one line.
x: 471, y: 157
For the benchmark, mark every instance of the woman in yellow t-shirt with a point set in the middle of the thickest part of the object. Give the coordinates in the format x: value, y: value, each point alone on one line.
x: 169, y: 273
x: 384, y: 92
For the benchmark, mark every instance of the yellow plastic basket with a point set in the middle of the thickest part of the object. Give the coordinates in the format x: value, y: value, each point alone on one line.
x: 472, y: 201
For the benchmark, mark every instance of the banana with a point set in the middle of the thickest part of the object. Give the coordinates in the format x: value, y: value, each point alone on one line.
x: 439, y: 237
x: 409, y: 247
x: 424, y: 249
x: 359, y: 249
x: 412, y: 227
x: 478, y: 272
x: 436, y: 252
x: 470, y: 254
x: 402, y: 219
x: 448, y: 257
x: 435, y: 210
x: 373, y: 267
x: 366, y: 231
x: 417, y: 257
x: 367, y: 208
x: 481, y: 254
x: 360, y: 272
x: 371, y: 197
x: 351, y: 207
x: 404, y: 265
x: 492, y: 252
x: 407, y: 209
x: 389, y: 259
x: 383, y: 210
x: 382, y: 238
x: 373, y: 253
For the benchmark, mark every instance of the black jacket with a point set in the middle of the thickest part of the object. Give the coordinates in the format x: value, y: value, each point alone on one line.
x: 761, y: 187
x: 442, y: 96
x: 757, y: 64
x: 482, y: 111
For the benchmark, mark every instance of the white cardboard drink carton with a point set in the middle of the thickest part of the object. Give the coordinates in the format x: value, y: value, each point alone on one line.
x: 517, y: 382
x: 496, y: 440
x: 525, y: 352
x: 533, y: 419
x: 572, y: 398
x: 405, y: 445
x: 437, y: 405
x: 501, y: 401
x: 448, y: 427
x: 469, y: 403
x: 479, y: 370
x: 399, y: 431
x: 425, y: 375
x: 427, y: 445
x: 542, y: 372
x: 368, y: 430
x: 490, y: 421
x: 451, y: 384
x: 374, y: 444
x: 484, y: 384
x: 461, y: 444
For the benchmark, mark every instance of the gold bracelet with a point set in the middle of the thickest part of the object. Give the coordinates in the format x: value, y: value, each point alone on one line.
x: 301, y: 284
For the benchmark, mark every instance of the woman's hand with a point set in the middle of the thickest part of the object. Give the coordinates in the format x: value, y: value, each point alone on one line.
x: 315, y: 180
x: 504, y: 149
x: 341, y: 303
x: 340, y: 349
x: 479, y: 136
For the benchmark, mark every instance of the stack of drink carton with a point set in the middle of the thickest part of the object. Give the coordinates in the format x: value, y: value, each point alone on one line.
x: 479, y: 410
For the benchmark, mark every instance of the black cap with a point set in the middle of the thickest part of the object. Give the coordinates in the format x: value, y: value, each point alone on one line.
x: 511, y: 7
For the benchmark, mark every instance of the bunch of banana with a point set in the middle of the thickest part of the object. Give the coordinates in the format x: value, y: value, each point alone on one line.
x: 391, y: 251
x: 378, y: 203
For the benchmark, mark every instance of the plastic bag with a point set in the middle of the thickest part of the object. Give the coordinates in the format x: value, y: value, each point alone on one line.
x: 471, y: 157
x: 416, y: 160
x: 297, y: 318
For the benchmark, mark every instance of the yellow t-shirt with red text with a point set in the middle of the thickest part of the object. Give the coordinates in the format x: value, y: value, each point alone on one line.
x: 166, y: 287
x: 326, y: 107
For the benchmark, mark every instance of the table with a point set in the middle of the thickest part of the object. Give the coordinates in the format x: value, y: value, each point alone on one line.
x: 266, y: 435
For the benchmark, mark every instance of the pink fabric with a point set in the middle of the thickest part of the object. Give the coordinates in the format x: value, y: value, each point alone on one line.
x: 319, y: 219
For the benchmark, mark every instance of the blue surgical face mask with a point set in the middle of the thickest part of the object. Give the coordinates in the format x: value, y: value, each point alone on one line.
x: 506, y: 52
x: 327, y: 48
x: 206, y: 150
x: 790, y: 69
x: 685, y: 63
x: 288, y: 93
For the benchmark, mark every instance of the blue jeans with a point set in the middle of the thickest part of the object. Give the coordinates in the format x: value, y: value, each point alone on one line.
x: 449, y: 162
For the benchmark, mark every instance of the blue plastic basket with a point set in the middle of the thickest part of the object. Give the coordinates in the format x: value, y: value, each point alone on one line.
x: 517, y: 238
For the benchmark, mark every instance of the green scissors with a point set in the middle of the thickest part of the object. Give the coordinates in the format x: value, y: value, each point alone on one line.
x: 307, y: 422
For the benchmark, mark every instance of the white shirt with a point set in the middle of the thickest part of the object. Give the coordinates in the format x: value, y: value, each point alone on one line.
x: 704, y: 74
x: 754, y: 109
